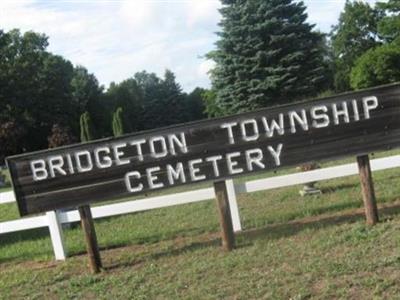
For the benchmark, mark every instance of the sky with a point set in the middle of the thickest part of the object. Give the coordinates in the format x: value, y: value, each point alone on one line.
x: 115, y: 39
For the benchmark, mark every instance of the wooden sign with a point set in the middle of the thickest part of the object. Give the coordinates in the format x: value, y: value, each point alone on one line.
x: 349, y: 124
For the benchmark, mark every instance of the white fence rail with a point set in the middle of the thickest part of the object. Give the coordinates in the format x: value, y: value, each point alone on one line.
x: 53, y: 220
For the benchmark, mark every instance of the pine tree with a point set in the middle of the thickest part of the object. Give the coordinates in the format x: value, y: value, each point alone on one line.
x: 118, y: 124
x: 267, y: 54
x: 87, y: 130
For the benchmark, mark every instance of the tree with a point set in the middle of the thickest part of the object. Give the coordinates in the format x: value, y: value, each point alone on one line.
x: 10, y: 134
x: 87, y: 130
x: 87, y: 95
x: 127, y: 95
x: 60, y: 136
x: 119, y: 123
x: 173, y: 100
x: 21, y: 59
x: 389, y: 25
x: 266, y: 54
x: 210, y: 101
x: 163, y: 99
x: 377, y: 66
x: 35, y: 89
x: 355, y: 33
x: 194, y: 108
x: 54, y: 105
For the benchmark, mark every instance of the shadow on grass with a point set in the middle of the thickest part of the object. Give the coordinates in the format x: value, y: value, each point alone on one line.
x: 292, y: 228
x: 268, y: 232
x: 274, y: 231
x: 338, y: 187
x: 26, y: 235
x: 213, y: 242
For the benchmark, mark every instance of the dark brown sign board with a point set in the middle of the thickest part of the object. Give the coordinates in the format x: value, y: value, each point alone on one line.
x: 354, y: 123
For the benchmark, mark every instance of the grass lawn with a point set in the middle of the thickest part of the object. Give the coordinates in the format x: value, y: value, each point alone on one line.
x: 292, y: 248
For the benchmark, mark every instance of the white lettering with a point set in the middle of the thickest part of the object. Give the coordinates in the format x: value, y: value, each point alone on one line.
x: 213, y: 160
x: 152, y: 178
x: 232, y: 164
x: 369, y: 103
x: 254, y: 157
x: 355, y: 110
x: 269, y: 129
x: 89, y: 164
x: 181, y: 143
x: 194, y: 171
x: 138, y: 144
x: 319, y: 113
x: 302, y: 120
x: 245, y: 136
x: 129, y: 187
x: 56, y: 163
x: 69, y: 162
x: 176, y: 173
x: 118, y: 154
x: 38, y: 168
x: 106, y: 161
x: 276, y: 154
x: 230, y: 131
x: 163, y: 152
x: 343, y: 112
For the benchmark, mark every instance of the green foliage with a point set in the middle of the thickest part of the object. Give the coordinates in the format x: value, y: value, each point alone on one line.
x: 118, y: 122
x: 377, y: 66
x: 389, y: 26
x: 87, y: 95
x: 355, y: 33
x: 194, y: 108
x: 60, y: 136
x: 163, y: 99
x: 10, y: 135
x: 87, y: 130
x: 38, y: 90
x: 266, y: 54
x: 212, y: 108
x: 128, y: 96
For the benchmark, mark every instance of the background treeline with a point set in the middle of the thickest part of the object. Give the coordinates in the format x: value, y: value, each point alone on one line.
x: 45, y: 100
x: 267, y: 53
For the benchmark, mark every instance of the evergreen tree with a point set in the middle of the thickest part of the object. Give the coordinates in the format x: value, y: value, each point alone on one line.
x: 173, y: 100
x: 119, y: 124
x: 194, y: 108
x: 267, y: 54
x: 129, y: 96
x: 163, y: 99
x: 87, y: 95
x: 87, y: 130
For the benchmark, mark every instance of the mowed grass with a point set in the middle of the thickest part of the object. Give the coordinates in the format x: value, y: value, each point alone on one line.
x: 291, y: 248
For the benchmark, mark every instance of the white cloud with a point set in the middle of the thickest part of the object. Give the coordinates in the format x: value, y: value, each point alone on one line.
x: 115, y: 39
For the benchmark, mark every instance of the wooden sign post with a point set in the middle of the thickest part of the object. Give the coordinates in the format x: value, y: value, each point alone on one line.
x: 92, y: 247
x: 225, y: 218
x: 367, y: 189
x: 350, y: 124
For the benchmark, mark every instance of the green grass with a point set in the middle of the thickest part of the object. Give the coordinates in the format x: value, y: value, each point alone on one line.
x: 8, y: 181
x: 292, y: 248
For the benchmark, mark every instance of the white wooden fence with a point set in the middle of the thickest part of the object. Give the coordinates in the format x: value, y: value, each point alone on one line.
x: 54, y: 219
